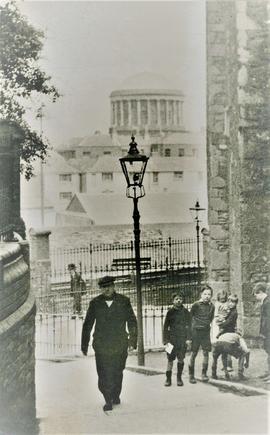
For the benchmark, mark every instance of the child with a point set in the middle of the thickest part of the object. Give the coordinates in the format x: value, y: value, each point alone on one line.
x: 221, y: 312
x: 176, y: 331
x: 227, y: 319
x: 202, y: 314
x: 230, y: 343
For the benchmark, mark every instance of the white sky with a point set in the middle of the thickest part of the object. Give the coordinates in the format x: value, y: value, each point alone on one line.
x: 91, y: 47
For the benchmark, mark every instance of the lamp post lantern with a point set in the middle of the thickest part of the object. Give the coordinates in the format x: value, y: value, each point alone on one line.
x: 196, y: 210
x: 134, y: 166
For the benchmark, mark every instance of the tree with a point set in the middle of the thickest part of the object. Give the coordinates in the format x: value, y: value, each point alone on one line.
x: 21, y: 79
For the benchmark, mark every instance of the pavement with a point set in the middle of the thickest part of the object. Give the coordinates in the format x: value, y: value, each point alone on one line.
x: 68, y: 402
x: 156, y: 360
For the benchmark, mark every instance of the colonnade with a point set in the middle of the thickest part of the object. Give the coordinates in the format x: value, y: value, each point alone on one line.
x: 146, y: 111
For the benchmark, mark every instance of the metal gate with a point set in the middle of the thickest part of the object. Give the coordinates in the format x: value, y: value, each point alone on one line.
x: 167, y: 266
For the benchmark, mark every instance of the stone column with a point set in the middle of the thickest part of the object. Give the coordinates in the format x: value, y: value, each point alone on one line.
x: 181, y: 113
x: 148, y: 112
x: 122, y: 112
x: 139, y: 112
x: 175, y: 112
x: 167, y: 111
x: 40, y: 263
x: 158, y: 113
x: 112, y: 118
x: 129, y: 113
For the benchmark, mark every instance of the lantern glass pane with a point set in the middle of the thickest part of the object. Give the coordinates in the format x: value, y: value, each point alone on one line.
x: 135, y: 171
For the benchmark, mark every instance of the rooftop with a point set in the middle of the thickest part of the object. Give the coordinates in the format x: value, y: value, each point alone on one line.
x: 116, y: 209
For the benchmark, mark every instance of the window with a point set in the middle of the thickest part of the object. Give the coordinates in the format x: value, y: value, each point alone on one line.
x: 154, y: 148
x: 106, y: 153
x: 65, y: 177
x: 178, y: 175
x: 65, y: 195
x: 155, y: 177
x: 181, y: 152
x: 69, y: 154
x: 87, y: 153
x: 82, y: 183
x: 167, y: 152
x: 107, y: 176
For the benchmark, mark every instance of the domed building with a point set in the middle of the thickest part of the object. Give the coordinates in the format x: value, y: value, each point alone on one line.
x: 150, y: 107
x: 146, y: 103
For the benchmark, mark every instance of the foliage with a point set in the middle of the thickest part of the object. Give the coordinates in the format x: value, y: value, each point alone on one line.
x: 21, y: 78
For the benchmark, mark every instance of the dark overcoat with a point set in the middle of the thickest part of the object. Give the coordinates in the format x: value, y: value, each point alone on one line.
x: 176, y: 328
x: 111, y: 324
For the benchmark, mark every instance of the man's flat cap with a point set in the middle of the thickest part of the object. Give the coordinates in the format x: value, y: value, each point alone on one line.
x: 106, y: 281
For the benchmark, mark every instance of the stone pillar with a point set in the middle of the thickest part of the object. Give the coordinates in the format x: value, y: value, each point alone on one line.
x: 129, y: 113
x: 181, y: 113
x: 148, y: 113
x: 167, y: 111
x: 122, y: 112
x: 158, y: 113
x: 40, y: 263
x: 10, y: 221
x: 112, y: 114
x: 175, y: 112
x: 139, y: 112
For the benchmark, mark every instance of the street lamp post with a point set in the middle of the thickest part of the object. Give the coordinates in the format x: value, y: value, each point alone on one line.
x: 197, y: 209
x: 134, y: 166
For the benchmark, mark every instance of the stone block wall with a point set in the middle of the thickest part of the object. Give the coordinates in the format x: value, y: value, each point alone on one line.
x: 17, y: 338
x: 238, y: 137
x: 40, y: 263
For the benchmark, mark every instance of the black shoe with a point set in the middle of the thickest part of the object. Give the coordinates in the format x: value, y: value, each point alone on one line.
x: 192, y: 380
x: 214, y: 376
x: 107, y: 406
x: 180, y: 383
x: 168, y: 381
x: 116, y: 401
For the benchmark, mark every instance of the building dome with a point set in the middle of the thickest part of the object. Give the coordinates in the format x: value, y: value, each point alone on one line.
x: 146, y: 80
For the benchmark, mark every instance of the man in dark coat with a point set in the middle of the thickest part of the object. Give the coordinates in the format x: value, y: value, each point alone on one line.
x: 261, y: 294
x: 111, y: 312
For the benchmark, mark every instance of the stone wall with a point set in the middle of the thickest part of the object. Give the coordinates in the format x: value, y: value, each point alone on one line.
x: 17, y: 332
x: 40, y: 263
x: 238, y: 150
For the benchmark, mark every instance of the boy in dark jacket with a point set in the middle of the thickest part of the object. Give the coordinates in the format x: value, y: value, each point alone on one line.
x: 176, y: 332
x: 202, y: 314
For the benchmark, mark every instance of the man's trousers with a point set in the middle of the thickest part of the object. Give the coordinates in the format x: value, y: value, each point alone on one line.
x: 110, y: 368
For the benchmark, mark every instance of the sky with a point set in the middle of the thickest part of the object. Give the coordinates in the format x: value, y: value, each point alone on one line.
x: 91, y: 47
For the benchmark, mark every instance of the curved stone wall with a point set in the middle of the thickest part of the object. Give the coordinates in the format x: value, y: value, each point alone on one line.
x: 17, y: 344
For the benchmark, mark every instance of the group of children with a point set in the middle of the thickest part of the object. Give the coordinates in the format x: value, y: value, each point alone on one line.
x: 185, y: 329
